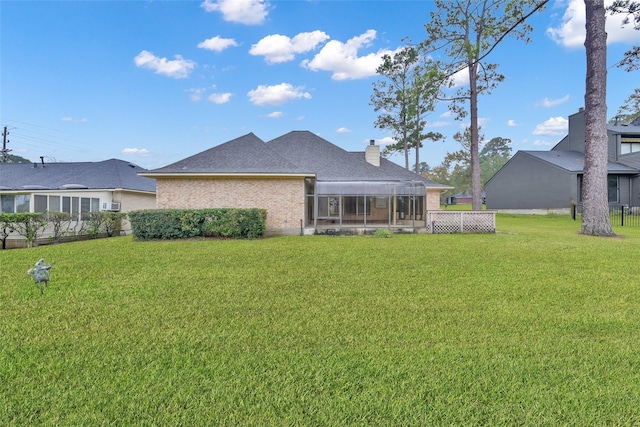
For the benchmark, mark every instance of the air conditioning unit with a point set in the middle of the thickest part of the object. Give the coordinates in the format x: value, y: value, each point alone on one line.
x: 111, y: 206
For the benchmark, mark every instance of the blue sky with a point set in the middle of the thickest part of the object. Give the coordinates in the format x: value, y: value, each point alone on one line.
x: 153, y: 82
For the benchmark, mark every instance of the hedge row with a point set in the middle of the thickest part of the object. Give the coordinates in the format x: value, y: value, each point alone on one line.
x: 58, y: 225
x: 184, y: 223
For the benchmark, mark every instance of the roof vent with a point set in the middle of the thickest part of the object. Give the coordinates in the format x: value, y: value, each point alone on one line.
x: 73, y: 187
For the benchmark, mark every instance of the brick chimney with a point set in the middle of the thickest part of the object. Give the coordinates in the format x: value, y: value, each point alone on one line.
x: 372, y: 153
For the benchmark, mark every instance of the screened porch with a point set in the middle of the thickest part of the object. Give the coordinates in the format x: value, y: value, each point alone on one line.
x: 337, y: 204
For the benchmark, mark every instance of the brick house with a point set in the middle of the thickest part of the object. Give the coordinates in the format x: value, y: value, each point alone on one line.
x: 305, y: 183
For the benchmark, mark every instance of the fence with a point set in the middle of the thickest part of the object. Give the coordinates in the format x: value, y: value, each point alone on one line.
x: 462, y: 222
x: 625, y: 216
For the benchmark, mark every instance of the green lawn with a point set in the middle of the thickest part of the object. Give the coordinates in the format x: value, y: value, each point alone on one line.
x: 533, y: 325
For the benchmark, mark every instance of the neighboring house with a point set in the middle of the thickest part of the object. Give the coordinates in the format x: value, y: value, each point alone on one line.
x: 552, y: 180
x: 305, y: 183
x: 463, y: 197
x: 75, y: 188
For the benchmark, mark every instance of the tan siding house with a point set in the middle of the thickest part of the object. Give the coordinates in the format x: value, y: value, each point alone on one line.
x: 74, y: 188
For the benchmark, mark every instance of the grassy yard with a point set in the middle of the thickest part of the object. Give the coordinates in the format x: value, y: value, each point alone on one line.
x: 533, y: 325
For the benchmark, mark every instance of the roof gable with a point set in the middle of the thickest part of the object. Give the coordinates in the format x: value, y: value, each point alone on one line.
x: 246, y: 154
x: 332, y: 163
x: 297, y: 152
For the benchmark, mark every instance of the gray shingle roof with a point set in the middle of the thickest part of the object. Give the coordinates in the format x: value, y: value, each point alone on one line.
x: 108, y: 174
x: 332, y: 163
x: 624, y: 128
x: 246, y: 154
x: 297, y: 152
x: 574, y: 161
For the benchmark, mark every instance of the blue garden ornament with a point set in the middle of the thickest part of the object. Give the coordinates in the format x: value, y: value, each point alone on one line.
x: 40, y: 274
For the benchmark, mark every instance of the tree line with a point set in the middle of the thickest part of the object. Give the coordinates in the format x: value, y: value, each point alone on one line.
x: 460, y: 36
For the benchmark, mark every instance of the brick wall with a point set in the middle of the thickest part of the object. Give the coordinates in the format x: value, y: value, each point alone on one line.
x: 433, y: 200
x: 283, y: 198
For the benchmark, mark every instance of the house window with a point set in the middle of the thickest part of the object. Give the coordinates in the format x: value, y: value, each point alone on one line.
x: 75, y: 204
x: 613, y: 188
x: 66, y: 204
x: 85, y: 206
x: 39, y: 203
x: 54, y: 204
x: 7, y: 204
x: 630, y: 144
x: 357, y: 205
x: 22, y: 202
x: 328, y: 206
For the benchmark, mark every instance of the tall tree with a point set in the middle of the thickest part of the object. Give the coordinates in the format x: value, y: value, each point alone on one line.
x: 595, y: 202
x: 630, y: 111
x: 493, y: 156
x: 404, y: 97
x: 468, y: 30
x: 392, y: 97
x: 631, y: 59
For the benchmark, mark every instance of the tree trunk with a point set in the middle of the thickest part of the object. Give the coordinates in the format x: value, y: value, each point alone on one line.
x: 595, y: 201
x: 476, y: 185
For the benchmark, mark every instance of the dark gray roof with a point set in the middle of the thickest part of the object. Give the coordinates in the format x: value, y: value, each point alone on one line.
x: 297, y: 152
x: 108, y: 174
x: 332, y: 163
x: 573, y: 161
x: 623, y: 129
x: 246, y: 154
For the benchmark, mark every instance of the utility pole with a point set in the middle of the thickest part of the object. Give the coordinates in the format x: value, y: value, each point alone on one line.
x: 4, y: 154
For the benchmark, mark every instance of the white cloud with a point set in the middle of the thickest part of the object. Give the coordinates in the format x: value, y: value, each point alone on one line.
x: 438, y: 124
x: 248, y: 12
x: 275, y: 115
x: 217, y: 44
x: 136, y: 151
x: 571, y: 32
x: 548, y: 103
x: 72, y: 120
x: 387, y: 140
x: 343, y: 130
x: 300, y: 118
x: 460, y: 78
x: 511, y: 123
x: 278, y: 48
x: 220, y: 98
x: 196, y: 94
x: 276, y: 94
x: 343, y: 61
x: 554, y: 126
x: 178, y: 68
x: 540, y: 143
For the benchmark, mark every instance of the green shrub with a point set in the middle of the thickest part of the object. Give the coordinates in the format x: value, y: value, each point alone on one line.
x: 383, y: 233
x: 60, y: 224
x: 113, y: 222
x: 103, y: 222
x: 29, y: 225
x: 185, y: 223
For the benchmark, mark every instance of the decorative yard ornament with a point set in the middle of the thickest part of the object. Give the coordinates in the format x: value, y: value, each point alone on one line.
x: 40, y: 273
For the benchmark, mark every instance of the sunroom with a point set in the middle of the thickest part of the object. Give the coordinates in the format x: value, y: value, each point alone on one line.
x: 338, y: 204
